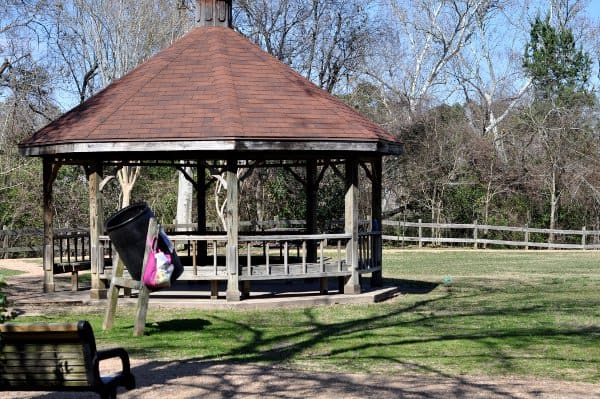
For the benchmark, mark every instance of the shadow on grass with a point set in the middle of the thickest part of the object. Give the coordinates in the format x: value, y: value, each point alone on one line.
x: 410, y: 286
x: 176, y: 325
x: 399, y: 322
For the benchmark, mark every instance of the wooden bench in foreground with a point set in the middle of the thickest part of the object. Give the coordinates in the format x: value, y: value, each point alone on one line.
x: 58, y: 357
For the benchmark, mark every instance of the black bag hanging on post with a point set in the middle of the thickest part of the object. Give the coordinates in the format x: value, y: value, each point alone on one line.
x: 127, y: 230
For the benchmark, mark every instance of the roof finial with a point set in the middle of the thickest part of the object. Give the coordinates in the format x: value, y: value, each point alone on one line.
x: 213, y: 13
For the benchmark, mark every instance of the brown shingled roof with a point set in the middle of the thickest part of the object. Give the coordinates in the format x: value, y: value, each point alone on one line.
x: 211, y: 90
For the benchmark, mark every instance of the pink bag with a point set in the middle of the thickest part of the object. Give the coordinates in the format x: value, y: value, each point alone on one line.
x: 157, y: 273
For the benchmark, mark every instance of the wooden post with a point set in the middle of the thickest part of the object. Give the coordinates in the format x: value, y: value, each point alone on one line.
x: 323, y: 285
x: 377, y: 226
x: 245, y: 289
x: 311, y: 207
x: 475, y: 234
x: 74, y: 281
x: 113, y: 293
x: 526, y: 237
x: 144, y: 292
x: 214, y: 289
x: 98, y: 290
x: 351, y: 226
x: 202, y: 249
x: 50, y: 171
x: 583, y: 237
x: 233, y: 222
x: 420, y: 234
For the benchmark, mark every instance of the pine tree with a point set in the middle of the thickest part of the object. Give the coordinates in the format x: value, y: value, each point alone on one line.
x: 559, y: 68
x: 560, y: 71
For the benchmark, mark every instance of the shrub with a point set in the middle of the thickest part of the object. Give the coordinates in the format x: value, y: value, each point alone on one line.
x: 5, y: 314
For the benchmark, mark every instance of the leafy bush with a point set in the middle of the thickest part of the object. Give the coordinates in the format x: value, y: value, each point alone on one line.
x: 4, y: 312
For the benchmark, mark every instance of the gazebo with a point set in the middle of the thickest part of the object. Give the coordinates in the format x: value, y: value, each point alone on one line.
x: 215, y: 101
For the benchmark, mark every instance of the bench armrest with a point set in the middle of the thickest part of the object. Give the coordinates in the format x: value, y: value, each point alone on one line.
x: 116, y: 352
x: 124, y: 378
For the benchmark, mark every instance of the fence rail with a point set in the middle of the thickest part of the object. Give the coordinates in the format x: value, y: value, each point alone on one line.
x: 477, y: 235
x: 29, y: 242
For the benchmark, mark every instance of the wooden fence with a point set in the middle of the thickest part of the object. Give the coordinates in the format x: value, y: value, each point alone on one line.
x: 481, y: 236
x: 20, y: 242
x: 28, y: 242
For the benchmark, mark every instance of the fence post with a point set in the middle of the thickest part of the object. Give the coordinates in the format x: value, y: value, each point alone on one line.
x: 420, y: 234
x: 5, y: 241
x: 526, y: 237
x: 475, y: 234
x: 583, y: 237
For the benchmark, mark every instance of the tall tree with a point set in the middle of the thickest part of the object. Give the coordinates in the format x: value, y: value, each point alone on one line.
x: 560, y: 71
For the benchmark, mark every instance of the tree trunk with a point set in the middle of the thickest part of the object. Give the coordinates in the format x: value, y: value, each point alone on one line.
x: 259, y: 197
x: 127, y: 177
x: 185, y: 195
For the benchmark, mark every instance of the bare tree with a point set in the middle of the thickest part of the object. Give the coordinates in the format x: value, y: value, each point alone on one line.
x: 99, y: 41
x: 25, y: 105
x: 423, y: 38
x: 326, y: 41
x: 489, y: 72
x: 274, y: 25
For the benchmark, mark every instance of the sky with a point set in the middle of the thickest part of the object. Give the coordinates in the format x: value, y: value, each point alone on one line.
x: 67, y: 100
x: 594, y: 8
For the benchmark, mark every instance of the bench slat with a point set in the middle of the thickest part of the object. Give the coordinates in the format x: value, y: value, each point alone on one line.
x: 38, y: 327
x: 31, y: 376
x: 24, y: 346
x: 47, y: 367
x: 40, y: 337
x: 36, y: 384
x: 52, y: 356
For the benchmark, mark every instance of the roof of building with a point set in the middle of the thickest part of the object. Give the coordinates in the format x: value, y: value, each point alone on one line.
x: 212, y: 90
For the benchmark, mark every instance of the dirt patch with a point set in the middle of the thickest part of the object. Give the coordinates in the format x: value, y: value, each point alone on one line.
x: 30, y: 267
x: 195, y: 379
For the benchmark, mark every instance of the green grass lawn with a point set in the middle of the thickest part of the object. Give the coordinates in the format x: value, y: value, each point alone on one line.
x: 9, y: 272
x: 462, y: 312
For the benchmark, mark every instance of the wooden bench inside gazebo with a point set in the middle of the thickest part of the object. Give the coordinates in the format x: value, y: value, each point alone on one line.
x: 217, y: 103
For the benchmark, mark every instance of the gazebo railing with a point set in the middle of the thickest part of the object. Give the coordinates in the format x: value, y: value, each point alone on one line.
x: 188, y: 246
x: 273, y: 255
x: 369, y: 251
x: 71, y: 247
